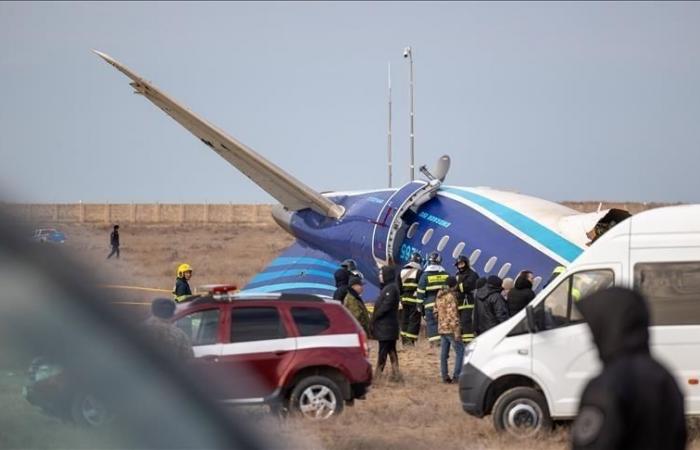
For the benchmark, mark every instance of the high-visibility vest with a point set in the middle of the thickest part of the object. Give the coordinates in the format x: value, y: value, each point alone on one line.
x: 409, y: 284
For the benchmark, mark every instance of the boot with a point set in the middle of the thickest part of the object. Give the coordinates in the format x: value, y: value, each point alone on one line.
x: 378, y: 373
x: 395, y: 376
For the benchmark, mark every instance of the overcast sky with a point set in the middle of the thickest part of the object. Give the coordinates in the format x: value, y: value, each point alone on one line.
x: 566, y: 101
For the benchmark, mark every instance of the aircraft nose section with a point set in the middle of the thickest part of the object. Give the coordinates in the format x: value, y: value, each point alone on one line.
x: 283, y: 217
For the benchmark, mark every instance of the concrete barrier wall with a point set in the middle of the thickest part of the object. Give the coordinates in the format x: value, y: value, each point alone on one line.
x: 139, y: 213
x: 199, y: 213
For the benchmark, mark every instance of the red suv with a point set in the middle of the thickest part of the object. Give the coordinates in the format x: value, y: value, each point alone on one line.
x: 293, y: 351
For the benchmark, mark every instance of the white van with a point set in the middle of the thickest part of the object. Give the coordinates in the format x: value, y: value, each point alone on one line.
x: 531, y: 369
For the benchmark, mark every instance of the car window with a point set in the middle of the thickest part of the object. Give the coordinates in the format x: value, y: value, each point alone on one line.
x: 256, y: 324
x: 310, y: 321
x: 672, y: 290
x: 559, y: 308
x: 202, y: 326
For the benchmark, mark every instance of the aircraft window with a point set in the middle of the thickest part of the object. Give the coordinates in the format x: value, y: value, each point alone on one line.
x: 490, y: 263
x: 443, y: 243
x: 458, y: 250
x: 426, y: 237
x: 536, y: 282
x: 412, y: 230
x: 504, y: 270
x: 474, y: 257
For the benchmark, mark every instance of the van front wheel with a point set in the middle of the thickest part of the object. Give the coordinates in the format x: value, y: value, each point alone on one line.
x: 522, y: 412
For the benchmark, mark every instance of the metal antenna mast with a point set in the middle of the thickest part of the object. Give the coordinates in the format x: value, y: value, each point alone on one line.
x: 389, y: 131
x: 408, y: 53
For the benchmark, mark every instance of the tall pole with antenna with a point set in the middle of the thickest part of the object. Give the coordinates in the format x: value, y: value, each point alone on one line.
x: 388, y: 149
x: 408, y: 53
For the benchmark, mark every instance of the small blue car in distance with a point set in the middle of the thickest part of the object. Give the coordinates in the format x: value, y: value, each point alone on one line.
x: 49, y: 235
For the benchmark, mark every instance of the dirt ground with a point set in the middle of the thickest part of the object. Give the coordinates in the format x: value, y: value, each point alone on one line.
x: 420, y: 413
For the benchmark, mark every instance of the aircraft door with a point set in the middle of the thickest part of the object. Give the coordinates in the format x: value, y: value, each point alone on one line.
x: 389, y: 227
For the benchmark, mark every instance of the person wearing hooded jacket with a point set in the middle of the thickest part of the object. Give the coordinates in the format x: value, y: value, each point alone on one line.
x: 385, y: 321
x: 521, y: 294
x: 466, y: 285
x: 490, y: 307
x: 635, y: 402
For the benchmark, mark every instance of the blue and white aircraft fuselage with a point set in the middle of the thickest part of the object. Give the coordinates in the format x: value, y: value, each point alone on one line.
x: 501, y: 232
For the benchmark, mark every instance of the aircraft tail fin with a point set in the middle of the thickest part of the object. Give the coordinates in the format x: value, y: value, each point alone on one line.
x: 286, y: 189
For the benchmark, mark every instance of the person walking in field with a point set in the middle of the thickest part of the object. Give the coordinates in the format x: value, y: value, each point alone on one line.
x: 385, y: 322
x: 114, y: 242
x: 448, y: 324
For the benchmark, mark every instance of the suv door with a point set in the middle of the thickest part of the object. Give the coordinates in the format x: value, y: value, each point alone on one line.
x: 563, y: 355
x: 259, y: 350
x: 203, y: 327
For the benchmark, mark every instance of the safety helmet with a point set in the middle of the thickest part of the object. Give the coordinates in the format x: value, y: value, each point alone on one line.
x: 416, y: 257
x: 434, y: 258
x: 462, y: 258
x: 182, y: 268
x: 349, y: 264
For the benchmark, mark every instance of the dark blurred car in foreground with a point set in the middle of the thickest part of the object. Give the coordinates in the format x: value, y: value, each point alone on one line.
x: 297, y: 352
x: 48, y: 309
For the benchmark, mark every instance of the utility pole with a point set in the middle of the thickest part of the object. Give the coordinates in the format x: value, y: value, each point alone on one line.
x: 408, y: 53
x: 389, y: 131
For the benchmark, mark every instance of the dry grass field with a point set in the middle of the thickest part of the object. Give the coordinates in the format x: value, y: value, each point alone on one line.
x: 420, y: 413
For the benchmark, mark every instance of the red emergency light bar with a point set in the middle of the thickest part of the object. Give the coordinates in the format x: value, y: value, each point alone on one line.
x: 218, y: 291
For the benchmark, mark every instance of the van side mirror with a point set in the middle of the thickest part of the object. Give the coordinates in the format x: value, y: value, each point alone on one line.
x: 530, y: 316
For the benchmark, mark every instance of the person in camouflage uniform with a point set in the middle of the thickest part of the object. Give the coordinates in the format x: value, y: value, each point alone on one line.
x: 449, y: 329
x: 354, y: 303
x: 165, y: 334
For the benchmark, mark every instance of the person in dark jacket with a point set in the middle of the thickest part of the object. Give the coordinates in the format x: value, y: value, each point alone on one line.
x: 114, y: 242
x: 635, y: 402
x: 522, y: 292
x: 466, y: 285
x: 490, y: 307
x: 385, y: 321
x: 348, y: 268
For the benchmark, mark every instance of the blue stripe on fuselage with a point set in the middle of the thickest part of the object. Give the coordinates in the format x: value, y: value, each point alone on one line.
x: 291, y: 260
x: 543, y: 235
x: 292, y: 271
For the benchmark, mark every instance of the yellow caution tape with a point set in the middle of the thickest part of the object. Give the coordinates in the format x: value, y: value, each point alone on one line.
x: 136, y: 288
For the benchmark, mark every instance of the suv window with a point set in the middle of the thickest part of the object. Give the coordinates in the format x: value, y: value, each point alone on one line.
x: 310, y: 321
x: 202, y: 326
x: 559, y: 308
x: 672, y: 290
x: 256, y: 324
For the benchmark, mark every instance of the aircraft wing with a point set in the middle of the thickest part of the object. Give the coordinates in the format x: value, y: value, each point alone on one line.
x: 286, y: 189
x: 301, y: 268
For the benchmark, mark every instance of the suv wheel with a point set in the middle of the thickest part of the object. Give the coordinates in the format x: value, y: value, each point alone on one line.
x: 316, y: 398
x: 89, y: 411
x: 522, y: 412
